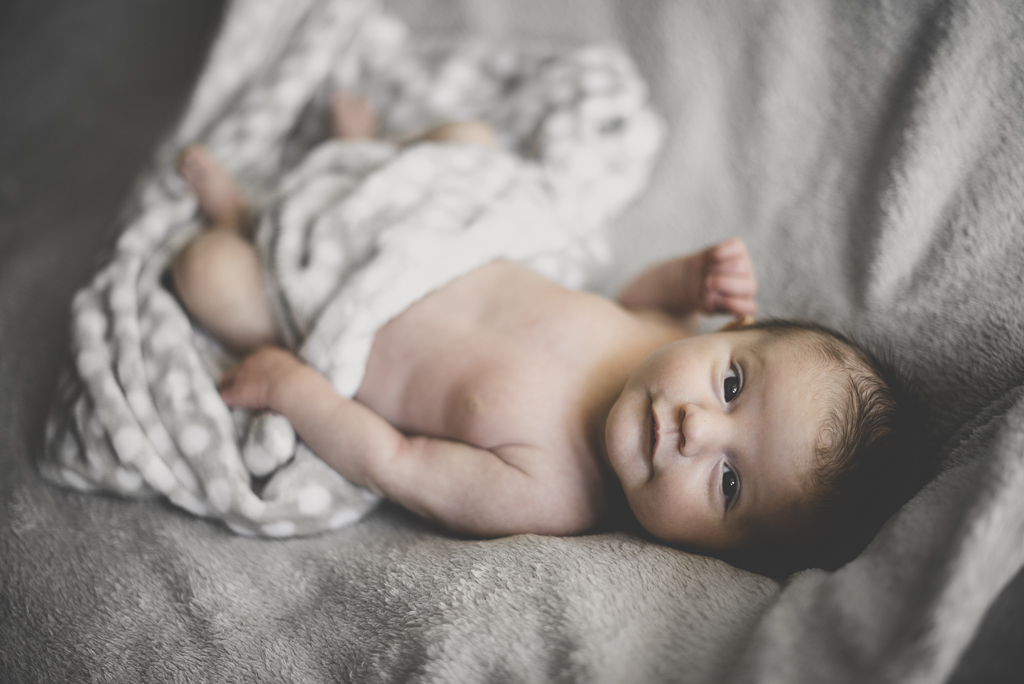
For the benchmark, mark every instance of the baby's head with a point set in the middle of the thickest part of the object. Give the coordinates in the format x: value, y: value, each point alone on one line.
x: 777, y: 445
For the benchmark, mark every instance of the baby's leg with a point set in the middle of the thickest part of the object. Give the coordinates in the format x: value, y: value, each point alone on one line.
x: 470, y: 132
x: 352, y: 118
x: 218, y: 275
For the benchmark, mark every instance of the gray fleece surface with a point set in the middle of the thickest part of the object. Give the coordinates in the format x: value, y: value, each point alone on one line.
x: 871, y: 157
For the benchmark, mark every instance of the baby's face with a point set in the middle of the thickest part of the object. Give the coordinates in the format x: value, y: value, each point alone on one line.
x: 713, y: 438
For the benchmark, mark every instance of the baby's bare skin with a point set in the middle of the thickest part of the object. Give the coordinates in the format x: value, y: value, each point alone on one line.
x: 483, y: 405
x: 507, y: 361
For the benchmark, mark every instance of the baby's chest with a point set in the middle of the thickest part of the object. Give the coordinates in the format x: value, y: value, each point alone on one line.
x: 500, y: 356
x: 477, y: 388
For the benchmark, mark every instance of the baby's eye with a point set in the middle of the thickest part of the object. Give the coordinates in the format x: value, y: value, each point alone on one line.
x: 729, y: 483
x: 732, y: 384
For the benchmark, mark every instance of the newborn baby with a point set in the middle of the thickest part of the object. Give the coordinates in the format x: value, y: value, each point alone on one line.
x: 503, y: 403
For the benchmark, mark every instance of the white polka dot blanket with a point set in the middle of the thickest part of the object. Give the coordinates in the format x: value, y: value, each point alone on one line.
x: 350, y: 233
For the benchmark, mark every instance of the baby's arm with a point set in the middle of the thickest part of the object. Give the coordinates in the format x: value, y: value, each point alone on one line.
x: 719, y: 279
x: 480, y: 492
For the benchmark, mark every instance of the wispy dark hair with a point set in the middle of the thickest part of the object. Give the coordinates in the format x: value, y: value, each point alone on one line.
x: 867, y: 459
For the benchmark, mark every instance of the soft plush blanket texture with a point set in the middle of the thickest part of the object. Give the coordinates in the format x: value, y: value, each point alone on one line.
x: 870, y: 154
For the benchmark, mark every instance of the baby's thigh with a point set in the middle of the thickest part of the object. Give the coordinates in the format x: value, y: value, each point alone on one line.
x: 213, y: 261
x: 219, y: 280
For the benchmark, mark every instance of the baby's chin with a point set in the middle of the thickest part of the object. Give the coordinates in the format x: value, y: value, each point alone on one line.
x: 621, y: 450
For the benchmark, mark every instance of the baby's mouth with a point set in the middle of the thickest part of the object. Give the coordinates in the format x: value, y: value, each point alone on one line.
x: 655, y: 433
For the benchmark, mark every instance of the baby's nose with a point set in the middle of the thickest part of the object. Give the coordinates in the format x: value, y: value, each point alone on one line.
x: 697, y: 431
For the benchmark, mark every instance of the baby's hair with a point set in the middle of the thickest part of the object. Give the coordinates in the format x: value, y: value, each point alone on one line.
x: 866, y: 459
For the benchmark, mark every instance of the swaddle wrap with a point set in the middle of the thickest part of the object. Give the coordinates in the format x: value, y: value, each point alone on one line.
x: 351, y: 234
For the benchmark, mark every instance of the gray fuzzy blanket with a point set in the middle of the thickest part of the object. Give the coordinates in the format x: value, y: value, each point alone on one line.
x: 871, y: 154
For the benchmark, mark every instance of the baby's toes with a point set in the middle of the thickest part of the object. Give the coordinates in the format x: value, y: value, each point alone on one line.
x: 190, y: 167
x: 352, y: 116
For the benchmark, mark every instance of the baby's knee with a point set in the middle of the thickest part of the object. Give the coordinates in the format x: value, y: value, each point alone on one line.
x: 211, y: 262
x: 219, y: 281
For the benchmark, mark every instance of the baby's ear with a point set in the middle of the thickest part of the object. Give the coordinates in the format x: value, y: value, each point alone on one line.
x: 737, y: 323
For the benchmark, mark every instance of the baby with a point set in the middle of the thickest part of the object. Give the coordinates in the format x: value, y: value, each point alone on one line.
x: 503, y: 403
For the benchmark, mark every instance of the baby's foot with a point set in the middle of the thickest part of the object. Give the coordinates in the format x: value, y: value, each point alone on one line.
x: 352, y: 117
x: 219, y: 197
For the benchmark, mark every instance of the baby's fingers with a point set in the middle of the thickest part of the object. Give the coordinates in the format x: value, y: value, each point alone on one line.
x: 243, y: 390
x: 737, y: 267
x: 730, y: 257
x: 732, y: 285
x: 738, y: 306
x: 733, y: 248
x: 729, y: 285
x: 227, y: 379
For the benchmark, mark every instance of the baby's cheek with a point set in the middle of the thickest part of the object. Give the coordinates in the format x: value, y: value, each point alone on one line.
x: 672, y: 510
x: 652, y: 512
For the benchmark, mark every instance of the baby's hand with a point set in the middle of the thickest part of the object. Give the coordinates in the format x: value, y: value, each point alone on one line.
x: 253, y: 382
x: 722, y: 278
